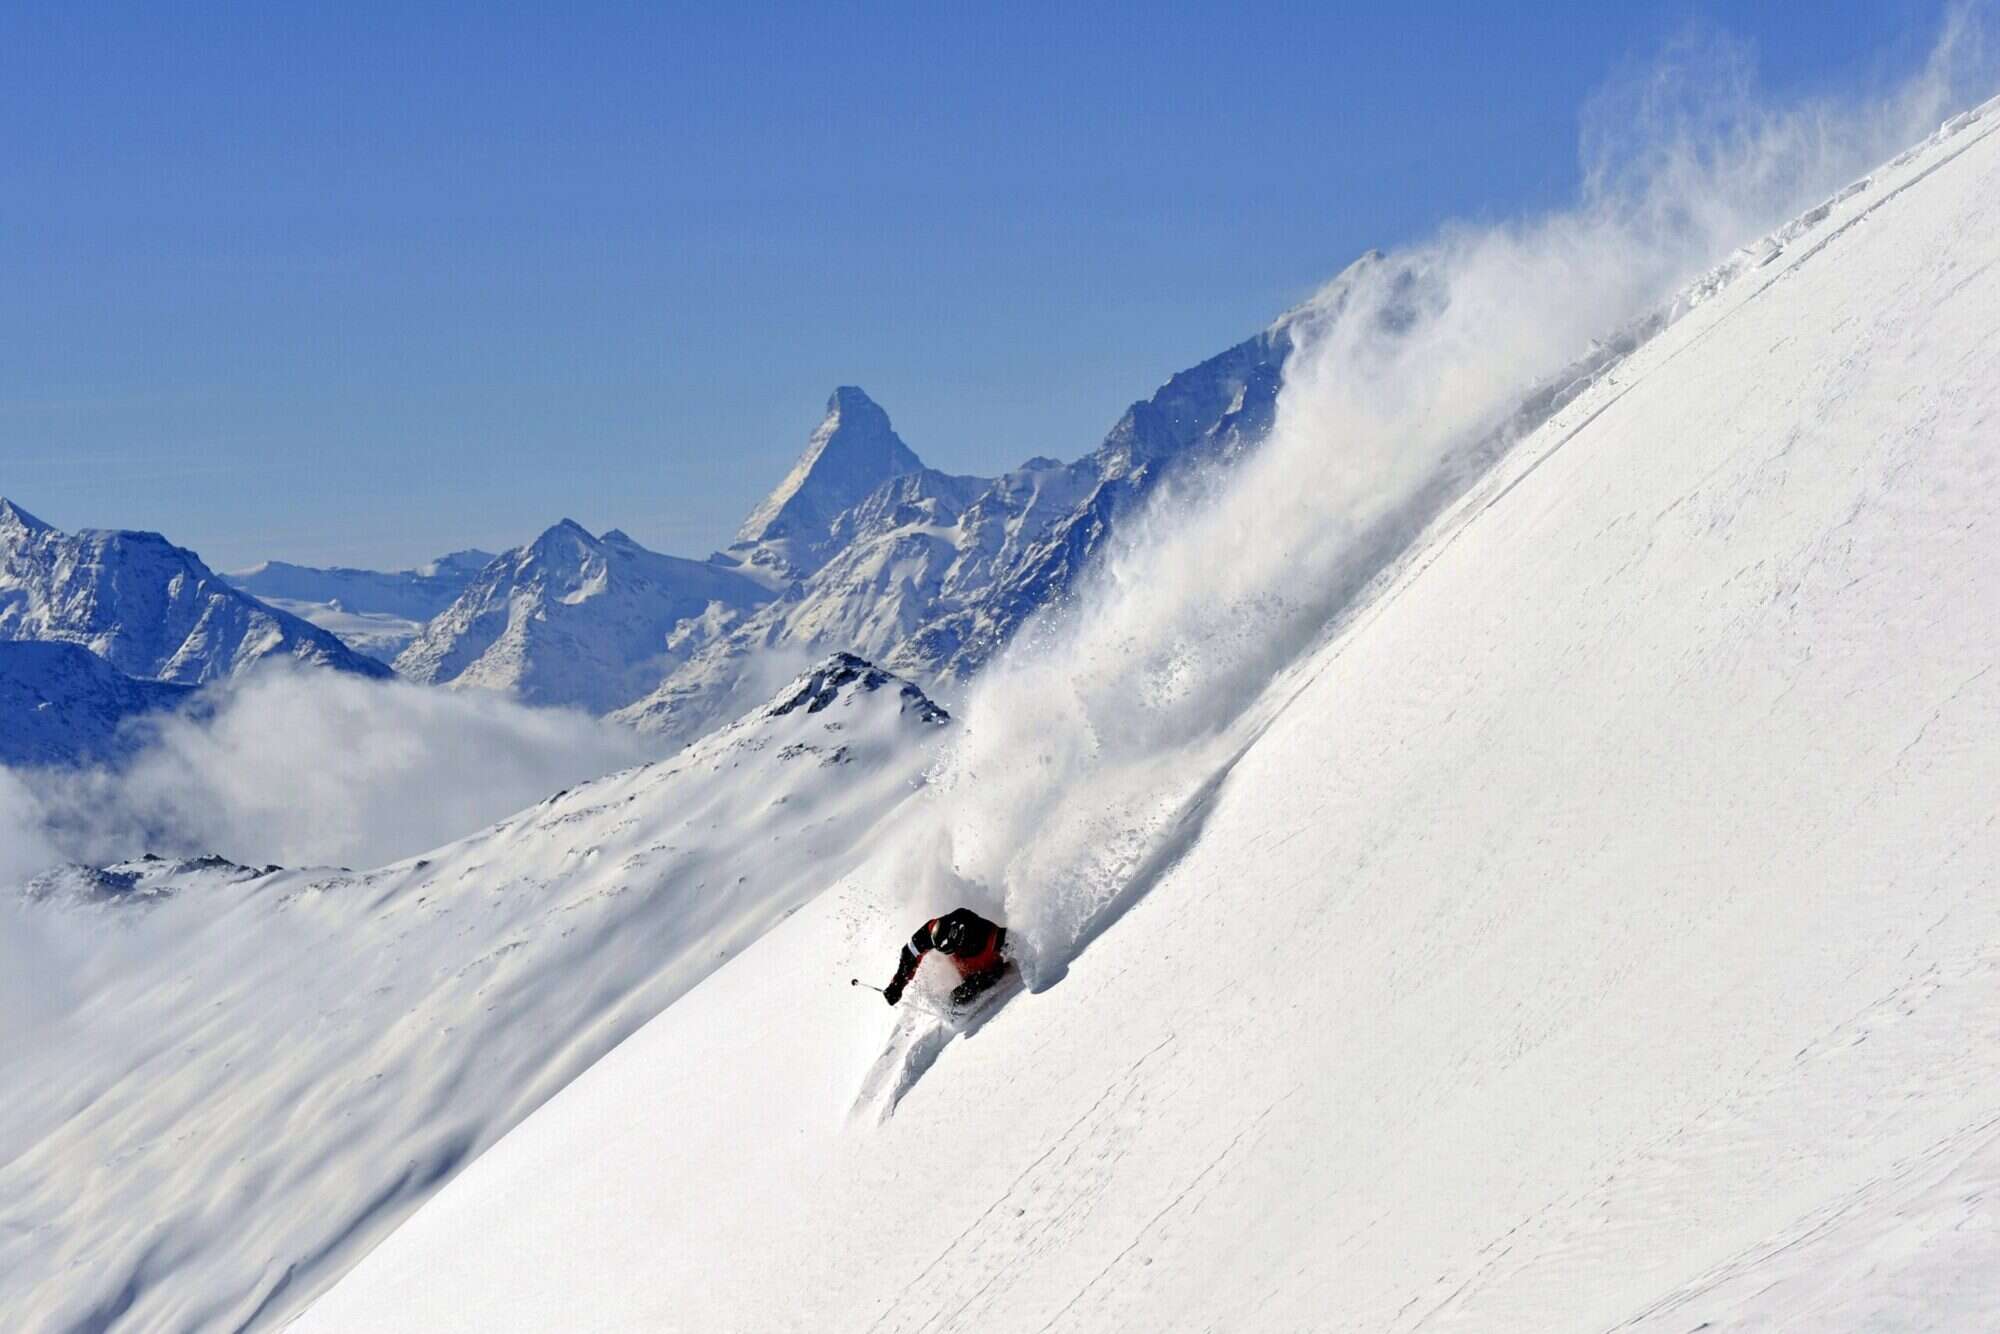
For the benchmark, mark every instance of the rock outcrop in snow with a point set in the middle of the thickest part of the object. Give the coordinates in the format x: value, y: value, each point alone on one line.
x: 149, y: 608
x: 578, y: 620
x: 238, y: 1080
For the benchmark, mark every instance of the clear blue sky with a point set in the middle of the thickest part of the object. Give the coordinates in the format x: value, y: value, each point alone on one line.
x: 363, y: 282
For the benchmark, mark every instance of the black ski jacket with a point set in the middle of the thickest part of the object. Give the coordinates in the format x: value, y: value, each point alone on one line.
x: 976, y: 951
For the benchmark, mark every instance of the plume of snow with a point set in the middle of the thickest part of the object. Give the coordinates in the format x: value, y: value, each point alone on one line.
x: 1088, y: 752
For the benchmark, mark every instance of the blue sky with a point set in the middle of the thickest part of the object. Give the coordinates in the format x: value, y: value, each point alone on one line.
x: 361, y: 283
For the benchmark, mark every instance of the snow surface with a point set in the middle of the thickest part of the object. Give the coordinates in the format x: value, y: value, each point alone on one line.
x: 1598, y: 931
x: 224, y: 1083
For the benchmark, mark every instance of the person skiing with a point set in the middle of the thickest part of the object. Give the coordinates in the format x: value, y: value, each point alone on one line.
x: 974, y: 945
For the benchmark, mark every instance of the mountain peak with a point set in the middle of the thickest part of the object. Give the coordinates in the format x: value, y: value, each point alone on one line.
x: 14, y: 518
x: 852, y: 451
x: 853, y: 397
x: 848, y: 674
x: 562, y: 536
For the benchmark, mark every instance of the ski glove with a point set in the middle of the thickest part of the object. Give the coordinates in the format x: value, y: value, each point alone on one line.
x: 893, y: 992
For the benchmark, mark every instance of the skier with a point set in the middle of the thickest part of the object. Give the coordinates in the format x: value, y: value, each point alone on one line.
x: 973, y: 944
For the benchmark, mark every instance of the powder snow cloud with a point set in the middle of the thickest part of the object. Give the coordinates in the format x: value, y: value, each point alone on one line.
x: 1087, y: 752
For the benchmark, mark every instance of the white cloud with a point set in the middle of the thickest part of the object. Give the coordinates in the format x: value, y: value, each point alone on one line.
x: 307, y: 767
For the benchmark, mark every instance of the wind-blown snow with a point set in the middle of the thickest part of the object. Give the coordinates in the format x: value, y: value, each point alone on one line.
x: 1414, y: 371
x: 224, y: 1083
x: 1598, y: 927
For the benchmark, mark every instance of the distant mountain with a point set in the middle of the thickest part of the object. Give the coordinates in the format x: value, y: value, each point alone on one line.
x: 573, y: 619
x: 61, y: 704
x: 377, y: 612
x: 149, y: 608
x: 852, y: 452
x: 932, y: 573
x: 415, y: 595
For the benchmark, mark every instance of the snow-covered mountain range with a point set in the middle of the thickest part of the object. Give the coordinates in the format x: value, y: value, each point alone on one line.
x: 150, y: 609
x: 861, y: 548
x: 932, y: 573
x: 233, y: 1081
x: 576, y: 619
x: 377, y: 612
x: 1595, y: 927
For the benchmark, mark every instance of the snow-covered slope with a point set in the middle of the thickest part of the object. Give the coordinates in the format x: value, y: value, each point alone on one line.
x: 149, y: 608
x: 573, y: 619
x: 223, y: 1084
x: 935, y: 573
x: 1599, y: 930
x: 377, y: 612
x: 60, y: 704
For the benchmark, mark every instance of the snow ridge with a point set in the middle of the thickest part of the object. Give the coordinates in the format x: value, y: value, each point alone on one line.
x: 149, y: 608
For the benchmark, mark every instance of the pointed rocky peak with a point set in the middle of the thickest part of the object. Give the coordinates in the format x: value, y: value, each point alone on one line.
x: 17, y: 522
x: 852, y: 451
x: 558, y: 541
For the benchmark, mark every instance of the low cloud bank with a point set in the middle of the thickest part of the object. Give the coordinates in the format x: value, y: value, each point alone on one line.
x: 306, y: 767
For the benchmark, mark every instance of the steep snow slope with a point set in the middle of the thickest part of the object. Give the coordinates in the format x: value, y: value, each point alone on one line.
x: 377, y: 612
x: 222, y: 1085
x: 574, y: 619
x: 149, y: 608
x: 1599, y: 931
x: 60, y: 704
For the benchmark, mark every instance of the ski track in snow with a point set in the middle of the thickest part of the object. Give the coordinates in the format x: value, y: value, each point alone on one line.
x: 1600, y: 932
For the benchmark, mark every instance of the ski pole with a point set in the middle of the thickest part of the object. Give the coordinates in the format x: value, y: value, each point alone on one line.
x: 883, y: 992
